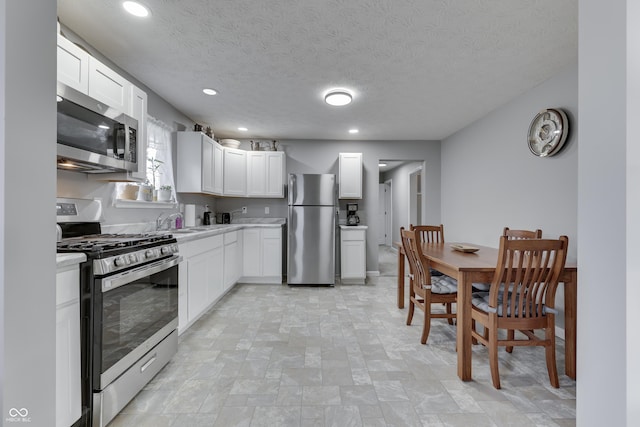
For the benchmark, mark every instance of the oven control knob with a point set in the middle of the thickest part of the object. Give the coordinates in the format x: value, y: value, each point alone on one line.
x: 165, y: 250
x: 133, y: 258
x: 120, y: 261
x: 148, y: 254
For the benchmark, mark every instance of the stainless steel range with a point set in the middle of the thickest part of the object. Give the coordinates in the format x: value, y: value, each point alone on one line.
x: 129, y: 311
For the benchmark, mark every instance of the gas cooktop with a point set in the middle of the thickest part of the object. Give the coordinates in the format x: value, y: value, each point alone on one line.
x: 107, y: 242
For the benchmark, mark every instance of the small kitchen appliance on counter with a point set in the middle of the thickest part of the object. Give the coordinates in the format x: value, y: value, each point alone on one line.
x: 352, y: 217
x: 128, y: 306
x: 223, y: 218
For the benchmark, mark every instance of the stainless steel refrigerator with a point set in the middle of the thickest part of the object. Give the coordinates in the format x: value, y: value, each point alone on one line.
x: 311, y: 229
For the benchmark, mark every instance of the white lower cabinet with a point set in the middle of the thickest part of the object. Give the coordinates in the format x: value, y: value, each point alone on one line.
x: 68, y: 384
x: 353, y: 254
x: 232, y: 258
x: 262, y: 255
x: 201, y: 278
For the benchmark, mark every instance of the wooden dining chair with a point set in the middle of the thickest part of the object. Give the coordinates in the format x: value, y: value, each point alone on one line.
x: 423, y: 289
x: 521, y: 297
x: 522, y: 234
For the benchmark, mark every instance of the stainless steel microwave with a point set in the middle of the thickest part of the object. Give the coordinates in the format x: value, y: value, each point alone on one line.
x: 93, y: 137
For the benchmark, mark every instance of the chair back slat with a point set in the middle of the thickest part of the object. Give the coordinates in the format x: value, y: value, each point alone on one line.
x: 527, y: 275
x: 429, y: 233
x: 522, y: 234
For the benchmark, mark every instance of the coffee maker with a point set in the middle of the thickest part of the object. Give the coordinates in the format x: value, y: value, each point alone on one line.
x: 352, y: 218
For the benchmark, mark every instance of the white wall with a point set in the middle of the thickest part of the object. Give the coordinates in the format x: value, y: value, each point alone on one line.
x: 491, y: 180
x: 400, y: 193
x: 27, y: 132
x: 608, y: 252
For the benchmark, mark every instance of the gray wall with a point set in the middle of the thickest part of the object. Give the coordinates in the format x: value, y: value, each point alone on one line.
x: 609, y: 205
x: 400, y: 197
x: 27, y: 189
x: 491, y: 180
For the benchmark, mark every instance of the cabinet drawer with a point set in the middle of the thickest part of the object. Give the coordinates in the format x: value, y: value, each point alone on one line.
x: 230, y: 237
x: 196, y: 247
x: 353, y: 234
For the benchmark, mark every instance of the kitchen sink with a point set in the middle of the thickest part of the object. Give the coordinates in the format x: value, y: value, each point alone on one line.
x: 184, y: 231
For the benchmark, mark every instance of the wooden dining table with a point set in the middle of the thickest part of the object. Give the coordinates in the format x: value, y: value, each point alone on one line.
x: 479, y: 267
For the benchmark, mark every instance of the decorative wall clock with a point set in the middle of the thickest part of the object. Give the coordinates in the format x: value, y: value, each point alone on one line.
x: 548, y: 132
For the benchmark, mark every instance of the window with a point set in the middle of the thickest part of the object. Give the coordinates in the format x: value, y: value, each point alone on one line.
x: 159, y: 162
x: 159, y: 185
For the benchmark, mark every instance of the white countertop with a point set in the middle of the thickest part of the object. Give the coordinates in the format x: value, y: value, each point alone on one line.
x: 199, y: 232
x: 64, y: 260
x: 354, y: 227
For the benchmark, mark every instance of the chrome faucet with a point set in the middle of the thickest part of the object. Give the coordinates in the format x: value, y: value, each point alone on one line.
x: 161, y: 223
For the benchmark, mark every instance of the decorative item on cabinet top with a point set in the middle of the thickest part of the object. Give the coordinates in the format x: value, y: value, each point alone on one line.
x: 264, y: 145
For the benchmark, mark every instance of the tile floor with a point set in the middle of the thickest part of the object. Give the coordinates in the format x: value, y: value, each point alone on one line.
x: 274, y: 355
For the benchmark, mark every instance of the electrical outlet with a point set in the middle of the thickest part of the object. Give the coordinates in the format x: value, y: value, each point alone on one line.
x: 266, y: 210
x: 244, y: 209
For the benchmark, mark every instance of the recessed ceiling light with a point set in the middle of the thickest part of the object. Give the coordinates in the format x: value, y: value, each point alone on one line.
x: 338, y: 97
x: 243, y: 129
x: 103, y: 126
x: 135, y: 8
x: 210, y: 91
x: 353, y: 131
x: 381, y: 165
x: 59, y: 98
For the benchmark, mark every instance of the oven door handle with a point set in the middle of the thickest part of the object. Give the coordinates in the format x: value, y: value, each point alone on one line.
x: 114, y: 282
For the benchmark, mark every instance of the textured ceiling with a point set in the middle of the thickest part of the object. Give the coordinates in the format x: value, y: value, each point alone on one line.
x: 420, y: 69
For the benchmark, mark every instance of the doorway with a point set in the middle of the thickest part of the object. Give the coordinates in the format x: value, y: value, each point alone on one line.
x: 415, y: 196
x: 384, y: 213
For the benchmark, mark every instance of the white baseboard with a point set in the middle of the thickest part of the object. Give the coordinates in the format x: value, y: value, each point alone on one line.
x: 375, y: 273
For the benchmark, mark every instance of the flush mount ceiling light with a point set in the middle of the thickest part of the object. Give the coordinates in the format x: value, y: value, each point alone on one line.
x: 243, y: 129
x: 353, y: 131
x: 338, y: 97
x: 135, y: 8
x: 209, y: 91
x: 381, y: 165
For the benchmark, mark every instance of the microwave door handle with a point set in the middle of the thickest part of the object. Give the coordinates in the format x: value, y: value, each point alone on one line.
x: 120, y: 141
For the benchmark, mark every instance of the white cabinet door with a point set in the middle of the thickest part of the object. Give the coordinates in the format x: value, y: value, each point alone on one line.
x: 218, y: 169
x: 353, y: 255
x: 350, y: 176
x: 251, y: 253
x: 107, y: 86
x: 262, y: 255
x: 232, y: 258
x: 138, y: 110
x: 68, y: 375
x: 256, y: 173
x: 235, y: 172
x: 197, y: 284
x: 215, y: 274
x: 265, y: 174
x: 272, y: 254
x: 207, y: 165
x: 199, y: 164
x: 275, y: 173
x: 73, y: 65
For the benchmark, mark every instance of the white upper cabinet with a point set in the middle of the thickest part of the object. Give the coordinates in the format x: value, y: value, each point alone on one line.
x: 350, y: 176
x: 84, y: 73
x: 105, y: 85
x: 235, y: 172
x: 73, y: 65
x: 138, y: 110
x: 265, y: 173
x: 199, y: 164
